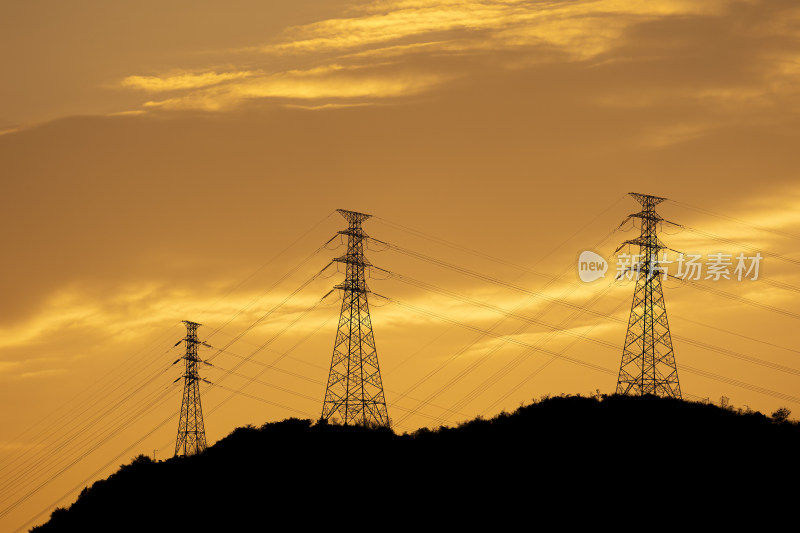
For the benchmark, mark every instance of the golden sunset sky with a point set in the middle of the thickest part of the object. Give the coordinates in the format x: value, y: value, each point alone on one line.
x: 176, y: 160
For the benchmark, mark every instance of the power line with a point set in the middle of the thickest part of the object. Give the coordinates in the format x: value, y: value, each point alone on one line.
x: 116, y: 405
x: 108, y: 385
x: 586, y: 364
x: 737, y: 220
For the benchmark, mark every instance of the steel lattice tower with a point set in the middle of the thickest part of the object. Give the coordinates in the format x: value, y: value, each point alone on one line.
x: 648, y: 361
x: 355, y: 391
x: 191, y: 431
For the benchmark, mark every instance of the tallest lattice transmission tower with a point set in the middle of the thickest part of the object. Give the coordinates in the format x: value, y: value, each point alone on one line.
x: 648, y: 361
x: 355, y: 390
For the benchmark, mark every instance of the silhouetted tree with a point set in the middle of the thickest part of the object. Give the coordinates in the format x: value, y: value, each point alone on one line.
x: 781, y: 415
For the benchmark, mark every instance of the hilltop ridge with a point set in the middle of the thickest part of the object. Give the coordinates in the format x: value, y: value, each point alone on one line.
x: 569, y: 458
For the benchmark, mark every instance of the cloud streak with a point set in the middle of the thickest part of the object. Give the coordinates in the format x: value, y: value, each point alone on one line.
x: 392, y: 49
x: 330, y: 82
x: 183, y: 81
x: 513, y: 22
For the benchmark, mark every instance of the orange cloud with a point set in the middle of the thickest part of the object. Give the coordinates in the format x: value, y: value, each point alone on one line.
x: 183, y: 81
x: 514, y: 22
x: 333, y: 81
x: 351, y: 52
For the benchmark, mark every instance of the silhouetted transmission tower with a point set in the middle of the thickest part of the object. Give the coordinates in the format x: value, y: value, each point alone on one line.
x: 648, y: 361
x: 191, y: 432
x: 355, y: 390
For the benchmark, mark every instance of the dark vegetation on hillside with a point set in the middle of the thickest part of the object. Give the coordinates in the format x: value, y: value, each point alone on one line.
x: 570, y: 459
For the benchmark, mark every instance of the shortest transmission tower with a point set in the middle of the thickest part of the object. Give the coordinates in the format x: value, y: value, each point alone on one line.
x: 191, y: 432
x: 648, y: 361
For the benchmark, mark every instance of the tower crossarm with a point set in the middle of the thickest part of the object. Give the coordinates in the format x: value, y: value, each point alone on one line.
x: 645, y: 199
x: 358, y: 260
x: 651, y: 243
x: 353, y: 217
x: 353, y: 286
x: 356, y: 232
x: 650, y: 216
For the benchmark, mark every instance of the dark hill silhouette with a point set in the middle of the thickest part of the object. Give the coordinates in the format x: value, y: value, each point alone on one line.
x: 560, y: 463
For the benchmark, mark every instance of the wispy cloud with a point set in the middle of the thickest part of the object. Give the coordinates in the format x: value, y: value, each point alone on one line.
x: 46, y: 373
x: 390, y: 49
x: 509, y: 23
x: 132, y: 112
x: 329, y: 82
x: 183, y: 81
